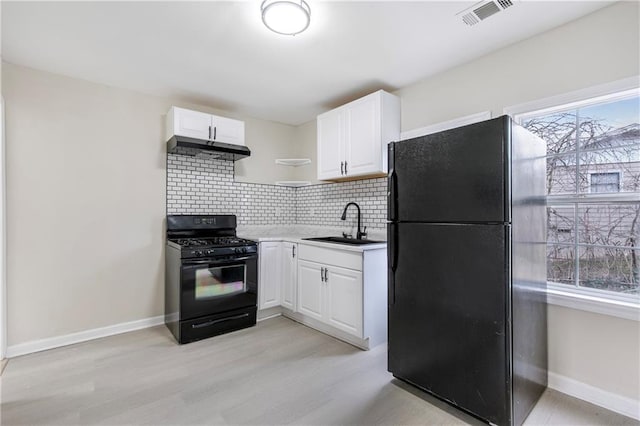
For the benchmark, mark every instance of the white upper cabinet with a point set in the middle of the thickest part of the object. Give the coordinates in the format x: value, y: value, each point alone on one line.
x: 352, y: 139
x: 330, y: 151
x: 199, y: 125
x: 227, y: 130
x: 361, y: 127
x: 184, y: 122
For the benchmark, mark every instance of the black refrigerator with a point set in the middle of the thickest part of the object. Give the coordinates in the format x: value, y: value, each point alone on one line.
x: 467, y: 272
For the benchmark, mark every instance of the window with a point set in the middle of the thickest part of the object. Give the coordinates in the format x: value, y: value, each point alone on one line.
x: 605, y: 182
x: 593, y: 199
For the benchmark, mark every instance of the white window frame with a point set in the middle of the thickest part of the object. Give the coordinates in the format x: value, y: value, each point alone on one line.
x: 591, y: 300
x: 620, y: 180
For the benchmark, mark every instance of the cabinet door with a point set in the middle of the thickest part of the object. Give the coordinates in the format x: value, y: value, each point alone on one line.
x: 344, y: 300
x: 192, y: 124
x: 270, y: 275
x: 227, y: 130
x: 362, y: 136
x: 289, y: 275
x: 310, y: 289
x: 330, y: 151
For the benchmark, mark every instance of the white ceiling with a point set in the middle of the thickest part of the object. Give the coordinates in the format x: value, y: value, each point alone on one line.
x: 220, y: 53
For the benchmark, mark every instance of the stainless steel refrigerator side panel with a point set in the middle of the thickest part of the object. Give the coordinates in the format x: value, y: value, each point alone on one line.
x: 529, y: 275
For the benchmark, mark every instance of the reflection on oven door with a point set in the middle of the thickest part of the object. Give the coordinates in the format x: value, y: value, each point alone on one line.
x: 220, y: 281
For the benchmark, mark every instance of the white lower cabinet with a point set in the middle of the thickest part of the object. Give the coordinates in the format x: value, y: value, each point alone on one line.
x: 339, y: 292
x: 330, y: 287
x: 343, y: 299
x: 269, y: 275
x: 332, y: 295
x: 310, y: 289
x: 289, y: 275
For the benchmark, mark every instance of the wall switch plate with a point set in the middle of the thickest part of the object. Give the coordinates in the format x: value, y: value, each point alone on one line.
x: 278, y: 212
x: 312, y: 212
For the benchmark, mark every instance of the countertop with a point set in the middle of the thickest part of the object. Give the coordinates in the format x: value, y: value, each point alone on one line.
x: 296, y: 234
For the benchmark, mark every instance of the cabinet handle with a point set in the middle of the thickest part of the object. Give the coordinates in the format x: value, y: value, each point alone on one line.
x: 209, y: 132
x: 345, y: 168
x: 215, y: 129
x: 326, y: 279
x: 293, y: 251
x: 342, y: 167
x: 321, y: 274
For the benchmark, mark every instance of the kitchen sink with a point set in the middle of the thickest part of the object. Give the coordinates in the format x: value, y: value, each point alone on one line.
x: 343, y: 240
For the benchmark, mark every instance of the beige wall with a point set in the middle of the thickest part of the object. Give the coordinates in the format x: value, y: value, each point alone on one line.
x: 80, y: 158
x: 3, y: 334
x: 599, y: 48
x: 267, y: 141
x: 304, y: 146
x: 79, y: 155
x: 598, y: 350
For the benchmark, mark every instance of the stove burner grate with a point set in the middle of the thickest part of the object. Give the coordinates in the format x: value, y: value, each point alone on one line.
x: 212, y: 242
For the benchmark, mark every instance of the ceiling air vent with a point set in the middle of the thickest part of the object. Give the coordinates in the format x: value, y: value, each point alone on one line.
x: 481, y: 11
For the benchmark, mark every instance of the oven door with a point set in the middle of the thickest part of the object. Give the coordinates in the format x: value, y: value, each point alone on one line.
x: 212, y: 286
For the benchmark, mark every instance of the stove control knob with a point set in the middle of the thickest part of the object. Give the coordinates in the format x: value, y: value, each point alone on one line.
x: 198, y: 253
x: 210, y: 251
x: 244, y: 249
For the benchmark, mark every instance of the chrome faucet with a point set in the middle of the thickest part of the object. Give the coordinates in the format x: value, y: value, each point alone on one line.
x: 360, y: 233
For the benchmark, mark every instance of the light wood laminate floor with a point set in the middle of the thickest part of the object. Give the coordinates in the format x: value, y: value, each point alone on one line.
x: 278, y: 372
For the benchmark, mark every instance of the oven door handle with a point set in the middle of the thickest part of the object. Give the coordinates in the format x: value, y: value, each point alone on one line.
x: 212, y: 322
x: 216, y: 262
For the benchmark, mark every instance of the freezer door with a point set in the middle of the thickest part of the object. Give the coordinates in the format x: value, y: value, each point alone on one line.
x: 458, y: 175
x: 448, y: 314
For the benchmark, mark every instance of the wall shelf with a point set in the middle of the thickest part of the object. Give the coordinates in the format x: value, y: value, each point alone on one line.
x: 293, y: 162
x: 293, y: 183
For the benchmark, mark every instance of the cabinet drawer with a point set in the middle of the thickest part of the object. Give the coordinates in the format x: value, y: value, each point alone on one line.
x: 327, y: 256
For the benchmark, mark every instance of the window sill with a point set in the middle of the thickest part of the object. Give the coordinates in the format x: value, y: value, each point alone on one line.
x: 590, y: 303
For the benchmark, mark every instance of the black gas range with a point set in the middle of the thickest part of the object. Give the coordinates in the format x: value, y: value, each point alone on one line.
x: 211, y: 277
x: 216, y: 246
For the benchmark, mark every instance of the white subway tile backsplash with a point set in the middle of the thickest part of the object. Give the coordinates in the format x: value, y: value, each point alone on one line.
x: 205, y: 186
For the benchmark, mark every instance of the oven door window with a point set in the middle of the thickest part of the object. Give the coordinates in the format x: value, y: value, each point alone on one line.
x: 220, y: 281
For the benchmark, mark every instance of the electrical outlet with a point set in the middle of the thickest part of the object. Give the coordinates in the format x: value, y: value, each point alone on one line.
x: 312, y: 212
x: 278, y: 212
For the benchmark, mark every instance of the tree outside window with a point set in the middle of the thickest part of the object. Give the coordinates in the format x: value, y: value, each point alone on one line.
x: 593, y: 184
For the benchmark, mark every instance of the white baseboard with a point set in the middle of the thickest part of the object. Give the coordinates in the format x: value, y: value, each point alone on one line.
x: 363, y: 344
x: 81, y: 336
x: 611, y: 401
x: 265, y: 314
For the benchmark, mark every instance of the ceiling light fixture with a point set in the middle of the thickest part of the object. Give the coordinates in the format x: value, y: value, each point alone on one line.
x: 287, y: 17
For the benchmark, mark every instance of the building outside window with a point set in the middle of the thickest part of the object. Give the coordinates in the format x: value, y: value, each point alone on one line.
x: 593, y: 199
x: 605, y: 182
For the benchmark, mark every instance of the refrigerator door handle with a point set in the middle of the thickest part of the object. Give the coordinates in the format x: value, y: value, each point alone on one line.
x: 392, y: 190
x: 393, y: 247
x: 392, y: 261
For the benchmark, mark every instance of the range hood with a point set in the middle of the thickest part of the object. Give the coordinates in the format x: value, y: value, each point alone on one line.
x: 183, y: 145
